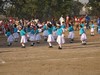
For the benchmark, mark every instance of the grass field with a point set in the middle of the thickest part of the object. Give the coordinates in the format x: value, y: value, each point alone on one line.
x: 73, y: 59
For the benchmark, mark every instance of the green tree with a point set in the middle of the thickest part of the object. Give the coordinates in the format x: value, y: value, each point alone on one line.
x: 43, y: 9
x: 95, y: 4
x: 76, y: 7
x: 2, y: 3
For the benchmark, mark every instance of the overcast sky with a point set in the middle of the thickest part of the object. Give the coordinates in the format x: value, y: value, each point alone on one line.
x: 84, y: 1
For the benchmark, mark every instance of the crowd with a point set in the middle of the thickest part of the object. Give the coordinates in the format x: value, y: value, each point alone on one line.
x: 51, y: 30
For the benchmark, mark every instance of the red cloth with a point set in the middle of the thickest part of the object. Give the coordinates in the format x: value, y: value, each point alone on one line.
x: 6, y: 26
x: 67, y: 21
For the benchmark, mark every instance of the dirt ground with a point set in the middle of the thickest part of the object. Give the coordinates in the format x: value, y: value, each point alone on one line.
x: 73, y: 59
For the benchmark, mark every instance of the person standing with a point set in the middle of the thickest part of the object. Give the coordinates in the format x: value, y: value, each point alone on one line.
x: 38, y: 36
x: 87, y: 22
x: 61, y: 20
x: 83, y: 37
x: 98, y: 24
x: 23, y: 36
x: 71, y: 33
x: 45, y: 31
x: 92, y: 28
x: 15, y: 34
x: 77, y: 22
x: 32, y: 36
x: 50, y: 35
x: 10, y: 37
x: 60, y: 38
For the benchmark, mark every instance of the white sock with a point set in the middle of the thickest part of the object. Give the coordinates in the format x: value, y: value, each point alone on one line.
x: 50, y: 44
x: 93, y: 33
x: 23, y: 44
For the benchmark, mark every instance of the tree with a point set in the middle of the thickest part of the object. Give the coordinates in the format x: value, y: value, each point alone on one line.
x: 2, y: 3
x: 76, y: 7
x: 42, y: 9
x: 95, y: 4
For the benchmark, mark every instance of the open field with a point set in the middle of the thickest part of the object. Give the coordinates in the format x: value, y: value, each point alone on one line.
x: 73, y: 59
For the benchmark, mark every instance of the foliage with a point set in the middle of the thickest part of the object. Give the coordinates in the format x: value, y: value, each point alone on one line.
x: 95, y: 4
x: 43, y: 9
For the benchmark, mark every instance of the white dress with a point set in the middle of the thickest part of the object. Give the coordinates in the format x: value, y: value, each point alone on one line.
x: 83, y: 37
x: 16, y: 35
x: 61, y: 20
x: 50, y: 38
x: 32, y: 37
x: 23, y: 39
x: 92, y: 30
x: 45, y: 33
x: 60, y: 39
x: 71, y: 35
x: 38, y: 37
x: 10, y: 39
x: 55, y: 34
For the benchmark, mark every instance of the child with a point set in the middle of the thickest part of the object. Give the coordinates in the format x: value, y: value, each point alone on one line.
x: 50, y: 36
x: 92, y: 29
x: 45, y: 32
x: 71, y: 33
x: 83, y: 35
x: 63, y: 25
x: 23, y: 36
x: 15, y: 34
x: 99, y: 29
x: 54, y: 31
x: 10, y: 38
x: 60, y: 38
x: 98, y: 25
x: 82, y: 24
x: 32, y: 36
x: 38, y: 37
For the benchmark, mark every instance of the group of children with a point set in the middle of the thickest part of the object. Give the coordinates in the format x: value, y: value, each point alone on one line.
x: 51, y: 33
x: 28, y: 34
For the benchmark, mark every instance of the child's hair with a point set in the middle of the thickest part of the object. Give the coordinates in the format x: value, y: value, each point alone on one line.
x: 8, y: 30
x: 55, y: 25
x: 37, y: 26
x: 72, y: 23
x: 58, y: 22
x: 63, y: 22
x: 81, y: 26
x: 49, y: 25
x: 69, y: 25
x: 20, y: 27
x: 58, y: 25
x: 92, y: 22
x: 82, y: 22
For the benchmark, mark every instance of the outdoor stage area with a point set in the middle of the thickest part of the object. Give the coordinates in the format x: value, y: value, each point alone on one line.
x: 73, y: 59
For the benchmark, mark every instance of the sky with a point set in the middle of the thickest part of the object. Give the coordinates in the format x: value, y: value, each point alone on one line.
x: 84, y: 1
